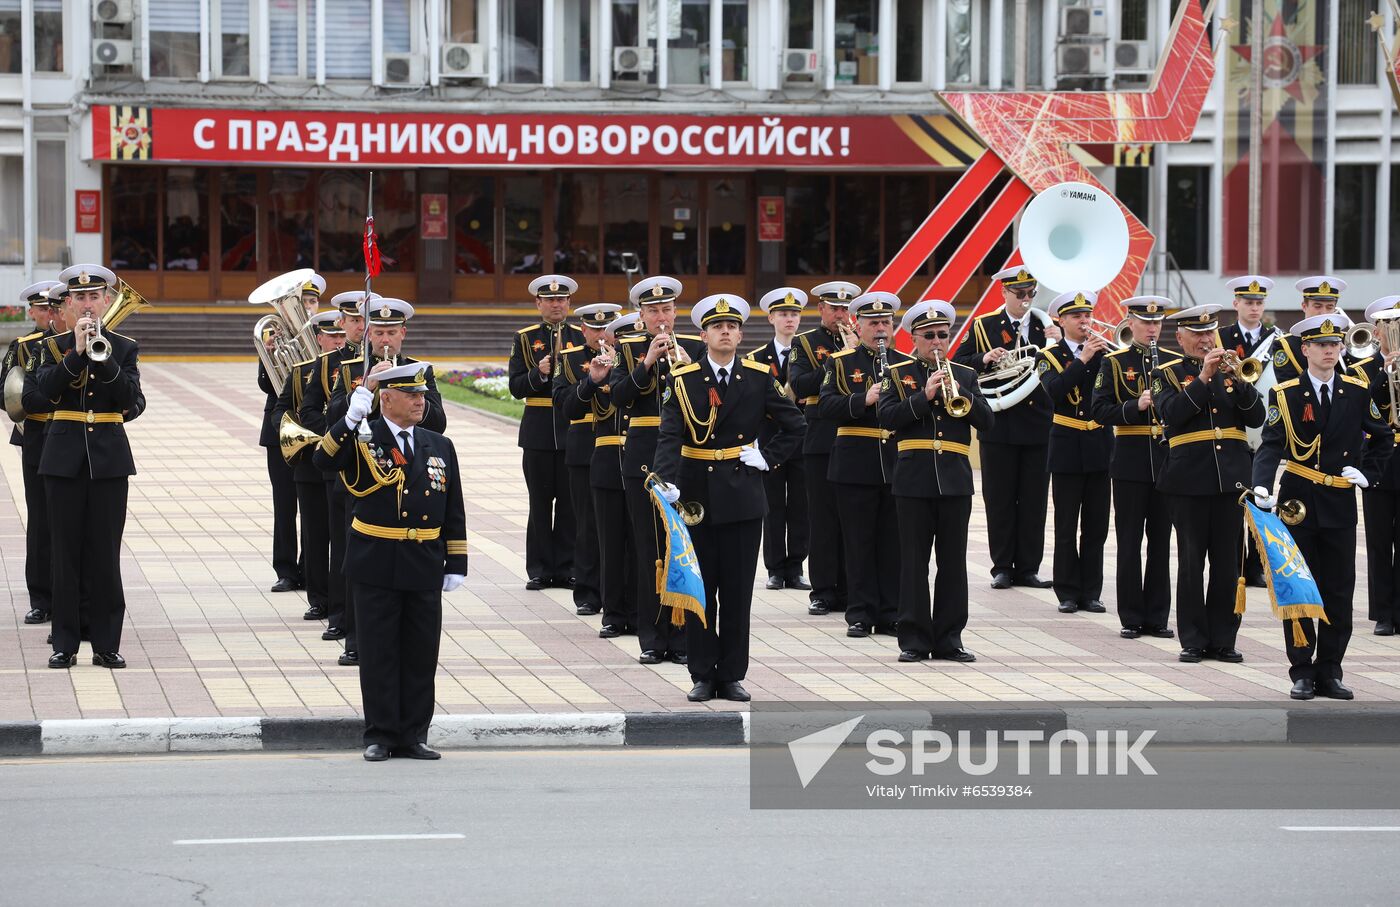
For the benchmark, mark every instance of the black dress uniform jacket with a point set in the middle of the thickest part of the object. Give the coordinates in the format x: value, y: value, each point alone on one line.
x: 68, y: 383
x: 576, y: 412
x: 1371, y: 371
x: 316, y: 396
x: 1207, y: 421
x: 767, y: 355
x: 639, y: 394
x: 806, y: 368
x: 862, y: 453
x: 267, y: 436
x: 1139, y: 447
x: 933, y: 446
x: 1028, y: 422
x: 541, y: 428
x: 27, y: 351
x: 1078, y: 444
x: 605, y: 463
x: 349, y: 377
x: 729, y: 490
x: 293, y: 394
x: 1232, y: 338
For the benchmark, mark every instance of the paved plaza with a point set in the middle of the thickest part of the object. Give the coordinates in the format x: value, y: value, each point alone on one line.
x: 204, y: 637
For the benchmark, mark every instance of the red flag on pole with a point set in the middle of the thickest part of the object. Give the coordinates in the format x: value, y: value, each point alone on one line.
x: 372, y: 262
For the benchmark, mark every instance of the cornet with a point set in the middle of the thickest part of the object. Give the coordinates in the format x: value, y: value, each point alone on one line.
x: 954, y: 402
x: 1247, y: 370
x: 849, y: 340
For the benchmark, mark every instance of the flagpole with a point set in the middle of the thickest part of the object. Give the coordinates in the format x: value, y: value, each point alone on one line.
x: 1256, y: 131
x: 371, y: 253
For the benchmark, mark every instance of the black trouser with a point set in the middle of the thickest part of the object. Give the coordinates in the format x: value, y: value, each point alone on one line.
x: 826, y: 564
x: 284, y: 516
x: 617, y: 558
x: 1014, y: 488
x: 785, y: 528
x: 1331, y: 556
x: 1208, y: 531
x: 549, y: 532
x: 86, y: 520
x: 587, y: 582
x: 1144, y: 599
x: 338, y: 610
x: 938, y: 527
x: 867, y: 514
x: 1081, y: 508
x: 655, y: 633
x: 38, y: 566
x: 728, y: 556
x: 402, y: 632
x: 1382, y: 509
x: 315, y: 540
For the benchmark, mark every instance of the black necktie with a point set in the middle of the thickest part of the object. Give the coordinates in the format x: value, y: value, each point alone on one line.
x: 1324, y: 408
x: 782, y: 362
x: 723, y: 382
x: 405, y: 445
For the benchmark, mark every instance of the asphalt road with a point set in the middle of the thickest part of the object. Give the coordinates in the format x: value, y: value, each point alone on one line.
x: 620, y: 827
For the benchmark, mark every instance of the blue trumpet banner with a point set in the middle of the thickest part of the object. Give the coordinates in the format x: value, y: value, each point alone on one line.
x: 678, y: 580
x: 1293, y: 592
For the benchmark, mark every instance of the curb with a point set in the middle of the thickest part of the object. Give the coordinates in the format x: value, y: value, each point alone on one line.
x: 1221, y: 723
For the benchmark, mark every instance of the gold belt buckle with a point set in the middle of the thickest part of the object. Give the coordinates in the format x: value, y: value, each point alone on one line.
x: 413, y: 535
x: 719, y: 454
x: 1219, y: 433
x: 937, y: 445
x: 91, y: 417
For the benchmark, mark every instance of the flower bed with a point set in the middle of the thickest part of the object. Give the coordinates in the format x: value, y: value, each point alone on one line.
x: 489, y: 382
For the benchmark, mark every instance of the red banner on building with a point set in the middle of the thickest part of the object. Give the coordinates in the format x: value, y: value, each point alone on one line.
x: 770, y: 218
x: 526, y: 140
x: 88, y: 207
x: 432, y: 218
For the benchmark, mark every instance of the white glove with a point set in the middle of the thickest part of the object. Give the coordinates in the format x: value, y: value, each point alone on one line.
x: 361, y: 401
x: 451, y: 581
x: 750, y: 456
x: 1262, y: 499
x: 1357, y: 479
x: 669, y: 493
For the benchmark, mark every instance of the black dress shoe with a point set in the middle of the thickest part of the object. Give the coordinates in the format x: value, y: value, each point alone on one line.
x: 62, y: 660
x: 955, y: 655
x: 1002, y: 581
x: 1257, y: 581
x: 36, y: 616
x: 333, y: 633
x: 315, y: 612
x: 818, y: 608
x: 1233, y: 656
x: 1191, y: 655
x: 1068, y: 607
x: 1032, y: 581
x: 858, y: 630
x: 285, y: 585
x: 376, y: 752
x: 1383, y: 627
x: 586, y: 610
x: 1130, y: 632
x: 609, y: 631
x: 1332, y: 689
x: 703, y: 691
x: 734, y: 691
x: 649, y: 657
x: 349, y: 659
x: 1302, y: 689
x: 1093, y: 606
x: 535, y: 584
x: 908, y: 655
x: 416, y: 751
x: 1159, y: 632
x: 774, y: 582
x: 111, y: 660
x: 799, y: 582
x: 678, y: 658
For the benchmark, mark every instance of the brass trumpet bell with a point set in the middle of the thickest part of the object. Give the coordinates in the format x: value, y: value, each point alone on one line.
x: 692, y: 512
x: 1247, y: 370
x: 1292, y: 511
x: 292, y: 438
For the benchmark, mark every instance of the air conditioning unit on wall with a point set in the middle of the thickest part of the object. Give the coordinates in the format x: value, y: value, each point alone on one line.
x: 633, y: 59
x: 404, y: 69
x: 1132, y: 56
x: 463, y: 61
x: 1083, y: 22
x: 801, y: 61
x: 111, y: 52
x: 112, y: 12
x: 1081, y: 60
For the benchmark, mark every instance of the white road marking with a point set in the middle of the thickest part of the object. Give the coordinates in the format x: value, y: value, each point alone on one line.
x: 315, y: 838
x: 1340, y: 827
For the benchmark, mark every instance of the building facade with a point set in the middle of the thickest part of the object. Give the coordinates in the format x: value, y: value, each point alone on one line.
x: 202, y: 146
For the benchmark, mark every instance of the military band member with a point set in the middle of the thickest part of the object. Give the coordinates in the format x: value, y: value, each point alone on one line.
x: 383, y: 342
x: 1321, y: 296
x: 310, y: 481
x: 861, y: 467
x: 28, y: 436
x: 1204, y: 411
x: 932, y: 482
x: 1381, y: 501
x: 826, y: 565
x: 640, y: 384
x: 616, y: 549
x: 1329, y: 433
x: 1079, y: 453
x: 709, y: 448
x: 86, y: 465
x: 1014, y: 451
x: 578, y: 450
x: 786, y: 527
x: 312, y: 415
x: 1123, y: 399
x: 550, y: 529
x: 407, y: 545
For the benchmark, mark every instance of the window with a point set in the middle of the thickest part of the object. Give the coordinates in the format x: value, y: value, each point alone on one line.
x: 1356, y: 44
x: 398, y: 16
x: 11, y: 215
x: 291, y: 239
x: 291, y: 38
x: 857, y: 42
x: 906, y: 206
x: 461, y: 21
x: 958, y: 42
x: 348, y: 39
x: 238, y: 220
x: 807, y: 216
x: 576, y: 222
x: 395, y: 220
x: 1392, y: 212
x: 523, y: 201
x: 340, y: 222
x: 678, y: 222
x: 909, y: 41
x: 688, y: 44
x: 1188, y: 217
x: 234, y: 18
x: 51, y: 198
x: 132, y: 202
x: 174, y: 30
x: 522, y: 36
x: 857, y: 225
x: 48, y: 35
x: 573, y: 35
x: 802, y: 33
x: 626, y: 218
x: 727, y: 222
x: 186, y: 227
x: 734, y: 49
x: 1030, y: 48
x: 1132, y: 20
x: 634, y: 26
x: 1354, y: 217
x: 11, y: 38
x: 474, y: 223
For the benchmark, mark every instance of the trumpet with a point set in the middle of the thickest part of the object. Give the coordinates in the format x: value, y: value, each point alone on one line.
x: 1361, y: 341
x: 605, y: 355
x: 954, y: 402
x: 1247, y: 370
x: 128, y: 302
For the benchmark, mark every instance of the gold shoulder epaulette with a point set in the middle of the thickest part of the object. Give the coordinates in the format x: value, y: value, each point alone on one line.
x: 1357, y: 364
x: 122, y: 336
x: 574, y: 348
x: 685, y: 369
x: 1119, y: 352
x: 690, y: 336
x: 28, y: 337
x: 527, y: 330
x: 959, y: 365
x: 755, y: 365
x: 893, y: 356
x: 1169, y: 363
x: 839, y: 354
x: 637, y: 339
x: 1283, y: 385
x: 300, y: 364
x: 1357, y: 381
x: 753, y: 354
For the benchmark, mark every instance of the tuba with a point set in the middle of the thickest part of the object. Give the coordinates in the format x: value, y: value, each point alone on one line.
x: 1013, y: 378
x: 127, y: 303
x: 288, y: 326
x: 1074, y: 235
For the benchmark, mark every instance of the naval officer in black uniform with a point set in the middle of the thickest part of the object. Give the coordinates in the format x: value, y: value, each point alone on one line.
x: 1381, y: 502
x: 710, y: 448
x: 407, y: 546
x: 1322, y: 295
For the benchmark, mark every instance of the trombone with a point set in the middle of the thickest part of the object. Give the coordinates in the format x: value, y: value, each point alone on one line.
x: 128, y: 302
x: 1114, y: 336
x: 954, y: 402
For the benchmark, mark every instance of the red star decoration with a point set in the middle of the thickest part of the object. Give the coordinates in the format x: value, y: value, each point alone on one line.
x: 1283, y: 59
x: 1130, y: 374
x: 857, y: 375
